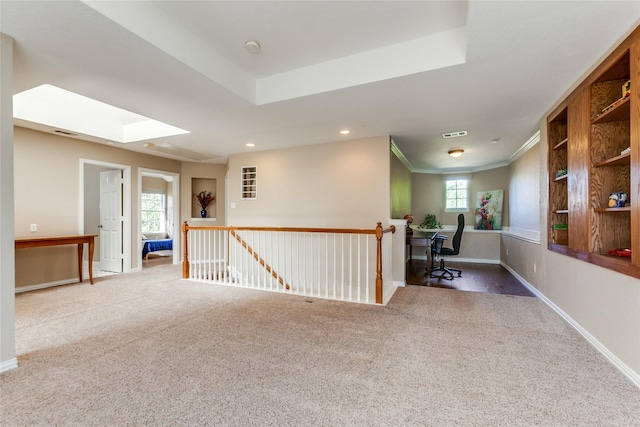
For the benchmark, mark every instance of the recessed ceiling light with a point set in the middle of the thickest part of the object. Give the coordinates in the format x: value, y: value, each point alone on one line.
x: 252, y: 46
x: 495, y: 141
x: 454, y: 134
x: 249, y: 144
x: 456, y: 152
x: 345, y: 132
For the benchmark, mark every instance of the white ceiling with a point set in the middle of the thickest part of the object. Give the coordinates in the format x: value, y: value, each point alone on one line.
x: 412, y: 70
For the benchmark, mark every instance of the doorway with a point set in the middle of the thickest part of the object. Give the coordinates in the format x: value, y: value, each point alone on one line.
x: 167, y: 184
x: 90, y: 219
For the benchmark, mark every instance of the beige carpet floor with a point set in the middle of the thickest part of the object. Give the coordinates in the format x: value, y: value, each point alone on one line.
x: 149, y: 349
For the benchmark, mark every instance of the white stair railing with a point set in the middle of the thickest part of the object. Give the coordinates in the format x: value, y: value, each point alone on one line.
x: 340, y: 264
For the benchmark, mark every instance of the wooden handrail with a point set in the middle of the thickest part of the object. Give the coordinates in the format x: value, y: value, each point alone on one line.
x: 378, y: 232
x: 290, y: 229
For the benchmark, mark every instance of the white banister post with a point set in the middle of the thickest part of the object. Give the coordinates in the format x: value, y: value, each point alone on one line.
x: 399, y: 251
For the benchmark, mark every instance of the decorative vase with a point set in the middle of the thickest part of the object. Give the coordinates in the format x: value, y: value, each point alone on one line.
x: 203, y: 213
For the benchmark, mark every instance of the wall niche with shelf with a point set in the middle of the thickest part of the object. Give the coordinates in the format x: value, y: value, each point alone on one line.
x: 595, y: 135
x: 207, y: 185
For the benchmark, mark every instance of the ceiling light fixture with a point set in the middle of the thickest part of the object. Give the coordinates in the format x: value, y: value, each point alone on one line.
x: 495, y: 141
x: 249, y: 144
x: 252, y: 46
x: 456, y: 152
x: 345, y: 132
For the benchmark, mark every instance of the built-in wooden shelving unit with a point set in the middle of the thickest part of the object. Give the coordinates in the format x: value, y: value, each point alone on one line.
x: 595, y: 135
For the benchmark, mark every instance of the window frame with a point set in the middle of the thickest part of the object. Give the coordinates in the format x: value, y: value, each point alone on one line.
x: 467, y: 199
x: 163, y: 212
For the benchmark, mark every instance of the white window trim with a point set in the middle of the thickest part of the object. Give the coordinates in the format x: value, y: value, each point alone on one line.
x: 165, y: 213
x: 248, y: 187
x: 457, y: 178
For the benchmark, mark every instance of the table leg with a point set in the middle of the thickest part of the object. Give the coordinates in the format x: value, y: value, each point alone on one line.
x: 429, y: 258
x: 91, y: 247
x: 80, y: 249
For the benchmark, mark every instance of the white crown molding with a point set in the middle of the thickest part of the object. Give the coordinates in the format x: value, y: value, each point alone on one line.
x: 398, y: 153
x: 531, y: 142
x: 535, y: 138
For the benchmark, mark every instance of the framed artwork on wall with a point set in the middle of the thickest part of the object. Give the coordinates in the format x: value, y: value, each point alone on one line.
x: 489, y: 210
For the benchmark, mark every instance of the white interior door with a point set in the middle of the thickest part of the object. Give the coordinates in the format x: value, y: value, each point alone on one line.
x: 111, y: 221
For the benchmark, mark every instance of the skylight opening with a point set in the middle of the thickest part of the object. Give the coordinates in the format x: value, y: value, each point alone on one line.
x: 52, y: 106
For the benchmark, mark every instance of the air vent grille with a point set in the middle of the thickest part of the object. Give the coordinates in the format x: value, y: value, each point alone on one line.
x: 64, y: 132
x: 454, y: 134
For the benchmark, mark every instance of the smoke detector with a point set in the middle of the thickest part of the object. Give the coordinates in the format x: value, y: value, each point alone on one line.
x: 252, y: 46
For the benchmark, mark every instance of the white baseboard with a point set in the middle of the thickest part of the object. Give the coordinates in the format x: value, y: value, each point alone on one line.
x: 8, y: 365
x: 45, y: 285
x: 387, y: 295
x: 622, y: 367
x: 399, y: 283
x: 85, y: 268
x: 85, y: 276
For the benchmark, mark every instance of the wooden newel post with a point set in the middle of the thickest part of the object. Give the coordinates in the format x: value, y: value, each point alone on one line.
x: 379, y: 263
x: 185, y: 251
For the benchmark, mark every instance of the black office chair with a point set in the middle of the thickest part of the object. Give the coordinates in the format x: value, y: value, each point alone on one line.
x: 438, y: 252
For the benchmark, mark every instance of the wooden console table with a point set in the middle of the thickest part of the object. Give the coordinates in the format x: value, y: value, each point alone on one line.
x: 64, y: 240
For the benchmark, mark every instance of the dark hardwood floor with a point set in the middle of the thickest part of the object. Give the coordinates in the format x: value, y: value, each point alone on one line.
x: 487, y: 278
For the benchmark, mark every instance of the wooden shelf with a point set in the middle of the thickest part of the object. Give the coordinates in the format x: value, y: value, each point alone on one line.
x: 620, y: 264
x: 558, y: 126
x: 621, y: 160
x: 587, y: 142
x: 619, y: 112
x: 625, y: 209
x: 561, y: 144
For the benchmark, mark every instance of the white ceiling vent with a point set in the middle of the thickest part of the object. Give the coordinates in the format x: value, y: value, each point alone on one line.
x: 454, y: 134
x: 65, y: 133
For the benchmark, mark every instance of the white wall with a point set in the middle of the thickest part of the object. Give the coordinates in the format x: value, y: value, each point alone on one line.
x: 7, y: 265
x: 428, y: 198
x: 524, y: 192
x: 47, y: 176
x: 341, y: 184
x: 602, y: 304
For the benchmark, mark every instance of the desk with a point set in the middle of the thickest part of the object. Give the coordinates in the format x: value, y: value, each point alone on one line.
x: 419, y: 239
x: 64, y: 240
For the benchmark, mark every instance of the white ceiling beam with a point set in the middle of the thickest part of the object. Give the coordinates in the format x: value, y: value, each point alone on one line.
x: 415, y: 56
x: 154, y: 26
